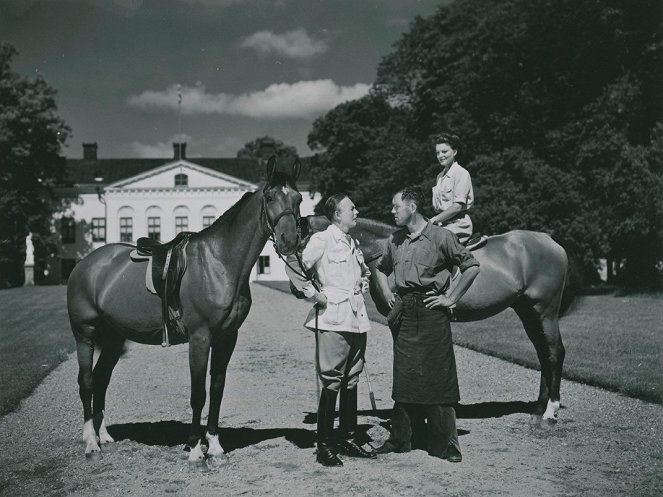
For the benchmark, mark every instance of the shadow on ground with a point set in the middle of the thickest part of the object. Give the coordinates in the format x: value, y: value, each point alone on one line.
x: 172, y: 433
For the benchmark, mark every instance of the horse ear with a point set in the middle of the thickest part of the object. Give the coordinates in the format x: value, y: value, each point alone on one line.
x: 271, y: 167
x: 296, y: 169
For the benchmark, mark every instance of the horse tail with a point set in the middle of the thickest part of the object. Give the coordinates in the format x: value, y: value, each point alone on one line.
x: 574, y: 279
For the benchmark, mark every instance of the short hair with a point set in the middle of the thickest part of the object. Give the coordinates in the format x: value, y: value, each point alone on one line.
x: 331, y: 205
x: 415, y: 195
x: 450, y: 139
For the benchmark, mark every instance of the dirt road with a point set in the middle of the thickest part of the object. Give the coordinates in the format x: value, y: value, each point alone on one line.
x: 604, y: 443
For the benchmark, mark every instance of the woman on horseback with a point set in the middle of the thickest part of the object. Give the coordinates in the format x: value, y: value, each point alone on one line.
x: 453, y: 195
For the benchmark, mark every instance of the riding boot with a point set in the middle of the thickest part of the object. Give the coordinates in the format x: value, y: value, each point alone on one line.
x: 326, y: 451
x: 347, y: 440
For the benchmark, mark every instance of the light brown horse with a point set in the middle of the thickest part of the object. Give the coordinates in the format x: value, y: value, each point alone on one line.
x: 524, y: 270
x: 108, y: 304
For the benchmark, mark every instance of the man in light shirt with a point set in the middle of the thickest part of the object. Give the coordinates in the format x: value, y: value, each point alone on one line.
x: 341, y: 325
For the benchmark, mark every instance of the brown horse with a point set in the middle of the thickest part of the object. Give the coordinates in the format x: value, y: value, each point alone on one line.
x: 108, y: 304
x: 524, y: 270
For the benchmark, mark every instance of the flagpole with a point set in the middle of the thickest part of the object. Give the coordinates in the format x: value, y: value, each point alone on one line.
x: 179, y: 121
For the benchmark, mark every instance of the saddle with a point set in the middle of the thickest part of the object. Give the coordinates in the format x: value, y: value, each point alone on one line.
x: 475, y: 241
x: 166, y: 266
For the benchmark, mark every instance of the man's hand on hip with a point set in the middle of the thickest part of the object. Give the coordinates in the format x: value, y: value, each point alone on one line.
x: 438, y: 301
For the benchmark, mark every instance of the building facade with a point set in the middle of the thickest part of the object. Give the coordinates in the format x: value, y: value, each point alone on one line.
x: 121, y: 200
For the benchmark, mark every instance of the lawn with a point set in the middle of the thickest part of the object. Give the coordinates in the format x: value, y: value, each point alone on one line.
x: 611, y: 342
x: 35, y: 338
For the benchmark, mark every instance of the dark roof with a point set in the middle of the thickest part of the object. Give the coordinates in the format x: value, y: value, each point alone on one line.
x: 83, y: 172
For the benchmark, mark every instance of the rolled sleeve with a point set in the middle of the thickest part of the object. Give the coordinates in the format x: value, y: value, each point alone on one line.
x: 462, y: 188
x: 458, y: 253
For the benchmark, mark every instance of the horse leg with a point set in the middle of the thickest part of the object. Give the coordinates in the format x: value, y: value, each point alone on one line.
x: 222, y: 350
x: 556, y: 358
x: 111, y: 351
x: 534, y: 328
x: 199, y: 346
x: 85, y: 354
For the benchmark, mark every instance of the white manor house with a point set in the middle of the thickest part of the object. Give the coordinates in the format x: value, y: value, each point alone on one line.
x: 121, y: 200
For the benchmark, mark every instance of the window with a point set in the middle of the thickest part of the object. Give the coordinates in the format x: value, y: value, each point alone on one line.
x: 181, y: 224
x: 68, y: 229
x: 154, y: 228
x: 181, y: 180
x: 126, y: 229
x: 263, y: 265
x: 98, y: 229
x: 207, y: 221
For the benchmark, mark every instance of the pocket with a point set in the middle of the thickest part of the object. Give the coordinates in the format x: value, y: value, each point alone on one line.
x: 337, y: 309
x: 335, y: 259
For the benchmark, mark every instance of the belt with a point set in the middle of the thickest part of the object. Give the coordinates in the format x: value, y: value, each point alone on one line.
x: 414, y: 291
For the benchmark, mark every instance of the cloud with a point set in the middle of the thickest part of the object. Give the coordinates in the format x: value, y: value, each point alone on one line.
x: 295, y: 44
x: 159, y: 150
x: 303, y: 99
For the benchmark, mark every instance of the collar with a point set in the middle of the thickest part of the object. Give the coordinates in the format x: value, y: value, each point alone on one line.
x: 454, y: 166
x: 338, y: 234
x: 425, y: 232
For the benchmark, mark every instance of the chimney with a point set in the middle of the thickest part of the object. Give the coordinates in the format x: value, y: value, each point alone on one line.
x: 179, y: 150
x: 89, y: 151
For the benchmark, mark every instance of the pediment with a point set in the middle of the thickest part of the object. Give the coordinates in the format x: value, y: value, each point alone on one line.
x: 197, y: 176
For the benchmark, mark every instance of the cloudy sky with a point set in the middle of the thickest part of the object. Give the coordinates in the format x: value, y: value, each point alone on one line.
x: 243, y: 68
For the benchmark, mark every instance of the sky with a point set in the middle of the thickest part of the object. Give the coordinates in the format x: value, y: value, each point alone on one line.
x: 241, y: 68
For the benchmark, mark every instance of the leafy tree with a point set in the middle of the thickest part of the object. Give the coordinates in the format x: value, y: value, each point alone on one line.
x: 31, y: 135
x: 559, y: 103
x: 266, y: 145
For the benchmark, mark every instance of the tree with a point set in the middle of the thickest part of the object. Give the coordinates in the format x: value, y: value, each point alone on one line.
x: 266, y: 145
x: 559, y: 104
x: 31, y: 135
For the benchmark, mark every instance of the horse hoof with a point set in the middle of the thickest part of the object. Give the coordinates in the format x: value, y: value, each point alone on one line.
x: 216, y: 461
x: 93, y: 456
x: 200, y: 466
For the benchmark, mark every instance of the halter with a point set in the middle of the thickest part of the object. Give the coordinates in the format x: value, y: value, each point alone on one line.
x: 272, y: 223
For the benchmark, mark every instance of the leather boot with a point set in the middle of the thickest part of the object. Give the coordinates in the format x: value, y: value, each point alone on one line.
x: 347, y: 443
x: 326, y: 454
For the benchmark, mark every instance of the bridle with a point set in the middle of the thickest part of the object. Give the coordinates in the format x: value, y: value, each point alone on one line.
x: 271, y: 223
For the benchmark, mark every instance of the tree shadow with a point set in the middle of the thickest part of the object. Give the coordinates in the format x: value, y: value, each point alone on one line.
x: 172, y: 433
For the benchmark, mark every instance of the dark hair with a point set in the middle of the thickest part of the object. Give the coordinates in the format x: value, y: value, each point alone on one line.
x: 331, y: 205
x: 413, y: 194
x: 450, y: 139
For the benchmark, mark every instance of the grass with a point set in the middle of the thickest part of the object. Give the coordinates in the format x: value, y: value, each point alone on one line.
x: 34, y: 339
x: 613, y: 342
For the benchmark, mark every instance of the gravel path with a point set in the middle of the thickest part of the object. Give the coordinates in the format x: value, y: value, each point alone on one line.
x: 604, y: 443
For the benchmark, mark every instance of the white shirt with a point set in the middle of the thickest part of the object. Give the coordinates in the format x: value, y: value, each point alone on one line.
x: 343, y: 277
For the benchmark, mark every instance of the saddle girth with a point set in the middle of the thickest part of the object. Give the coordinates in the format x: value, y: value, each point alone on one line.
x: 169, y: 264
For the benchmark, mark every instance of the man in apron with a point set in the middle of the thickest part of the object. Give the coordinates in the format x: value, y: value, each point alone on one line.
x: 425, y: 384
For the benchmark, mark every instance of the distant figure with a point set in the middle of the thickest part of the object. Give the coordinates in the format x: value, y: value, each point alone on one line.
x: 341, y: 325
x: 425, y: 385
x: 453, y: 195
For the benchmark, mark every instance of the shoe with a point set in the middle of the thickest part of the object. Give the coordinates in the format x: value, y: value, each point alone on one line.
x: 327, y: 457
x: 326, y: 454
x: 352, y: 449
x: 389, y: 446
x: 453, y: 454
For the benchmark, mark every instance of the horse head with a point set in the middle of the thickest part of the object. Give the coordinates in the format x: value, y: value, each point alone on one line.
x: 281, y: 201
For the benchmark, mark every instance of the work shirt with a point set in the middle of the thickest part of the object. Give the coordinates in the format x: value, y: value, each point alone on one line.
x: 424, y: 261
x: 455, y: 186
x: 343, y: 278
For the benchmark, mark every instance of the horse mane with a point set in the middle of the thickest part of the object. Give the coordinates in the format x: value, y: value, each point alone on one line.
x: 229, y: 216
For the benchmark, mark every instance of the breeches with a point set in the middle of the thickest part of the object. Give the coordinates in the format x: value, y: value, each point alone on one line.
x: 340, y: 358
